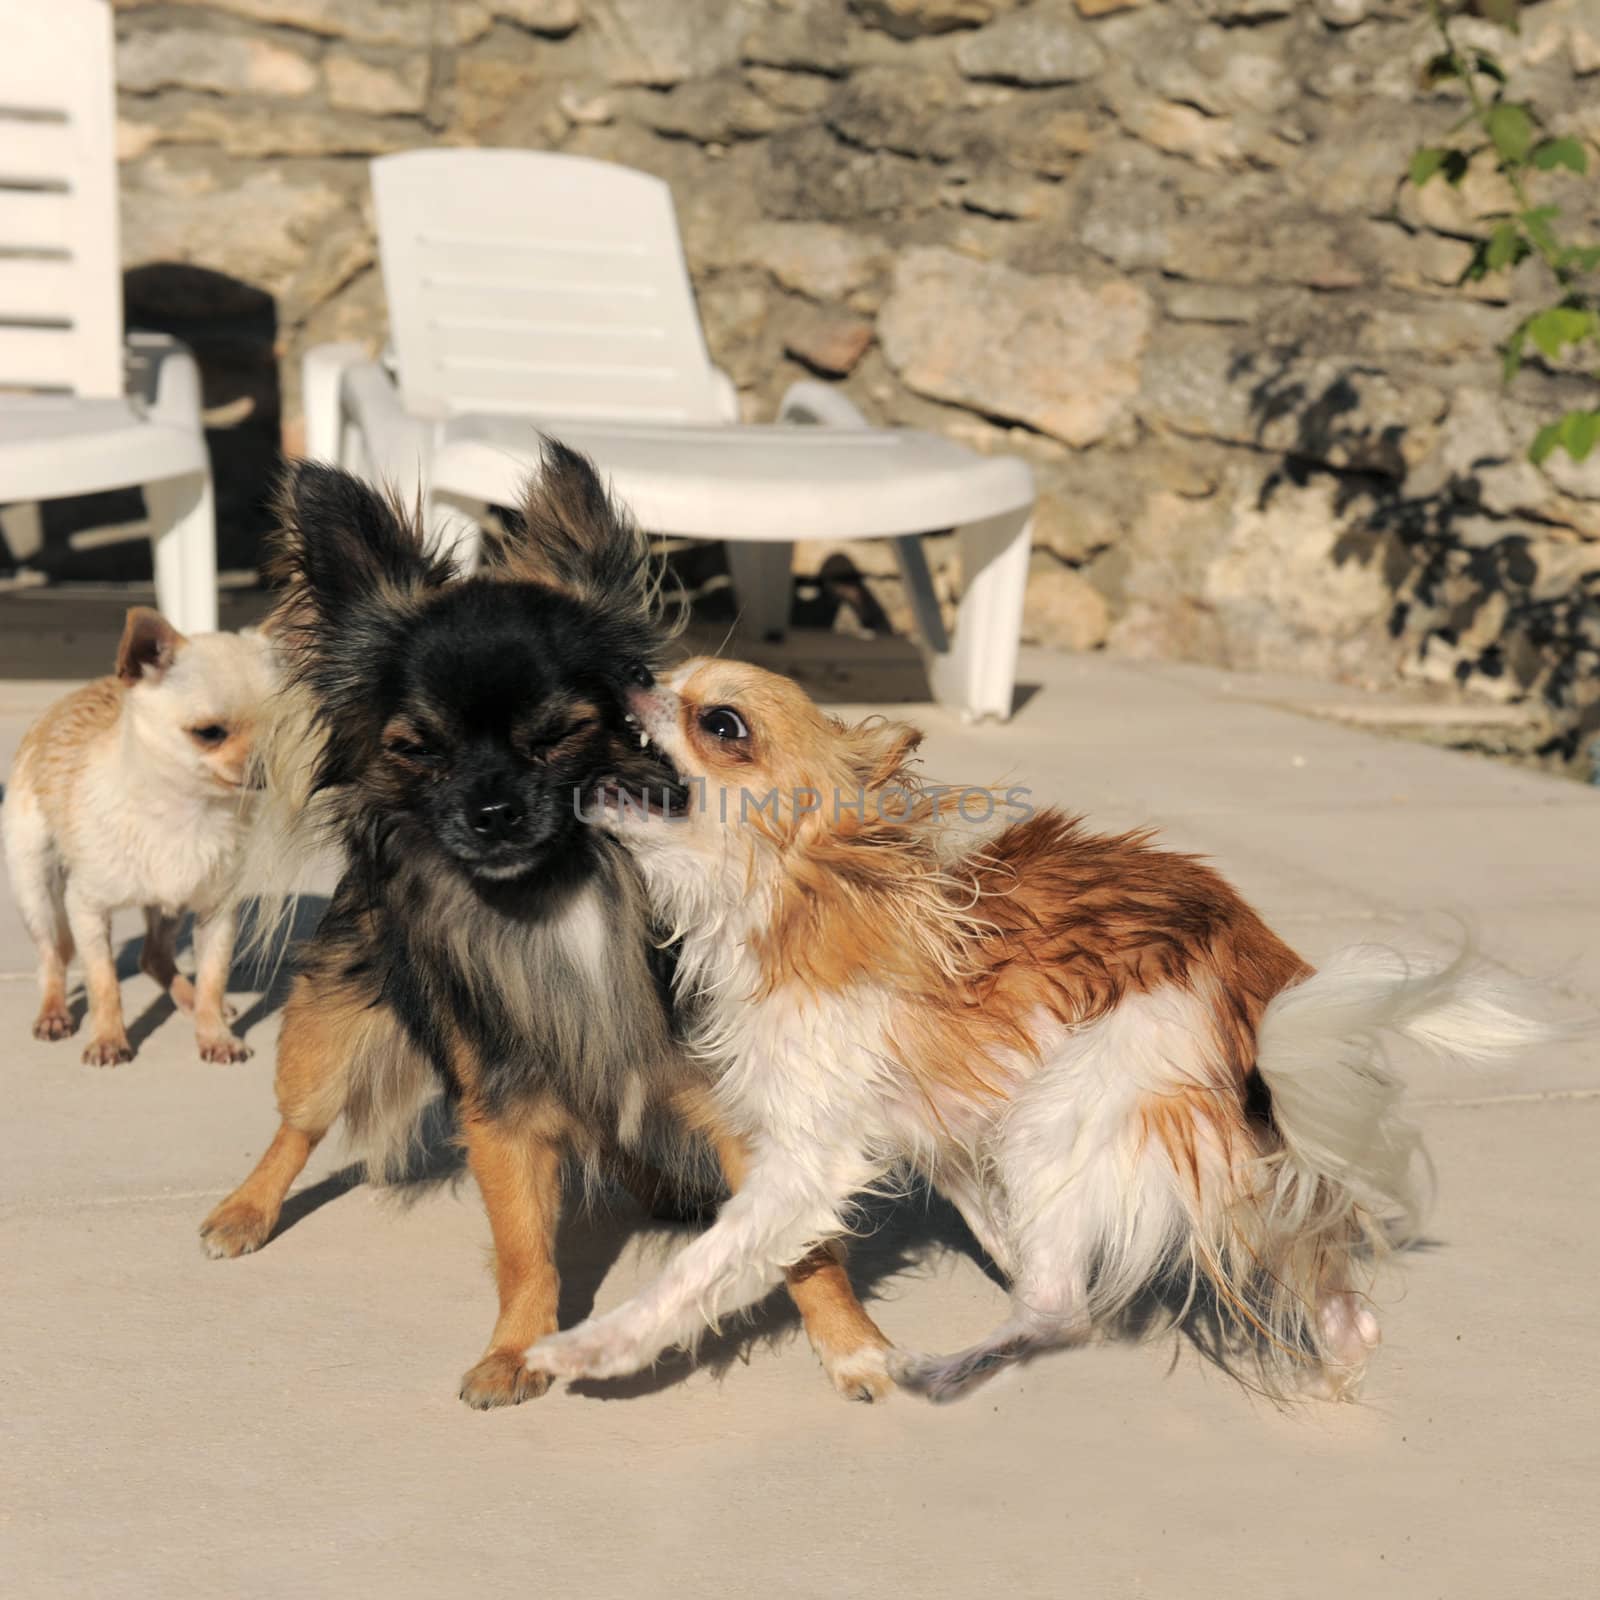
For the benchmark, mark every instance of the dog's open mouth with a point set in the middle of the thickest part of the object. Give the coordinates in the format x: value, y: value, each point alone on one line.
x: 643, y: 783
x: 668, y: 800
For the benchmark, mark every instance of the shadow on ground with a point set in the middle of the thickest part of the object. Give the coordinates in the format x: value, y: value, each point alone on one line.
x: 896, y: 1241
x: 261, y: 964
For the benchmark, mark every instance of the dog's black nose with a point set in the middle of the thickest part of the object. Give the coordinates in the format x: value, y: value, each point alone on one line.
x: 498, y: 820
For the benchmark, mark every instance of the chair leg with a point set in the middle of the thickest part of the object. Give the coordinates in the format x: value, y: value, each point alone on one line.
x: 183, y: 538
x: 455, y: 527
x: 918, y: 581
x: 22, y: 528
x: 978, y: 677
x: 762, y: 585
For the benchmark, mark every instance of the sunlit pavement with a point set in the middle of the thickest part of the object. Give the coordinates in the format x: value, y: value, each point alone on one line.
x: 287, y: 1424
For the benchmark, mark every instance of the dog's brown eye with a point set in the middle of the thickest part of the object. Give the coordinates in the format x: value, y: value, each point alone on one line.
x: 210, y: 734
x: 723, y: 722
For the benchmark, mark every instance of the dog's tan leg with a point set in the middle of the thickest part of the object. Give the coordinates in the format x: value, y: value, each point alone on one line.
x: 849, y: 1344
x: 517, y: 1162
x: 323, y: 1026
x: 159, y: 959
x: 54, y: 944
x: 91, y: 931
x: 54, y: 1021
x: 37, y: 885
x: 213, y: 946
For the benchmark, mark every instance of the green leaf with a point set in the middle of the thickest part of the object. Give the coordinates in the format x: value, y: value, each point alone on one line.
x: 1584, y: 257
x: 1502, y: 11
x: 1510, y: 128
x: 1555, y: 329
x: 1511, y: 355
x: 1536, y: 223
x: 1505, y: 248
x: 1549, y: 154
x: 1544, y: 441
x: 1426, y: 163
x: 1580, y: 431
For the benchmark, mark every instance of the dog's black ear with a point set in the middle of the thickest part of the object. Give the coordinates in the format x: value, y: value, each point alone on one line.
x: 340, y: 542
x: 576, y: 536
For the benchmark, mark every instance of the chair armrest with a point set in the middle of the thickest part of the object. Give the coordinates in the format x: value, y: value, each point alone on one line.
x: 820, y: 405
x: 322, y: 371
x: 398, y: 446
x: 164, y: 379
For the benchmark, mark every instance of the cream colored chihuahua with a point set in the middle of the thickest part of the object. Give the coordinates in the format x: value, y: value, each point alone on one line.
x: 133, y: 791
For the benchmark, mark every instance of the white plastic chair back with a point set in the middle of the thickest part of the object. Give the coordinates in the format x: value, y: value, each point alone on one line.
x: 60, y: 273
x: 532, y: 284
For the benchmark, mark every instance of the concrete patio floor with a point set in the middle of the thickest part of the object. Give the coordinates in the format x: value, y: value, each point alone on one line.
x: 287, y: 1424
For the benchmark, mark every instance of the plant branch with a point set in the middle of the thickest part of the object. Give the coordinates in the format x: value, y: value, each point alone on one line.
x: 1548, y: 249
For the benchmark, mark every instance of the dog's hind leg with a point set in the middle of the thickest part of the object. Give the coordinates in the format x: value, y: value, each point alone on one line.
x: 1050, y: 1300
x: 517, y: 1161
x: 36, y: 882
x: 1051, y: 1204
x: 1049, y: 1308
x: 324, y: 1026
x: 158, y: 959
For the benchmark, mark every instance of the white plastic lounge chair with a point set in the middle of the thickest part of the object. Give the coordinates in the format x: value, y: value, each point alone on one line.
x: 531, y: 292
x: 80, y: 409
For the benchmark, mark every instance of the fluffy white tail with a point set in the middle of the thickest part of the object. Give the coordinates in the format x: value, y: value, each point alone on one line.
x: 1351, y: 1176
x: 1321, y: 1051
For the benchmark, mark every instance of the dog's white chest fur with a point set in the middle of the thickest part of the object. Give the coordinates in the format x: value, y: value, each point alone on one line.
x: 154, y: 843
x: 584, y: 928
x: 130, y: 835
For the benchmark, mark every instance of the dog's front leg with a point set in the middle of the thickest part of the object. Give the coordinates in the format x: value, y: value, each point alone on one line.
x: 327, y: 1023
x: 784, y: 1207
x: 213, y: 950
x: 91, y: 932
x: 517, y: 1162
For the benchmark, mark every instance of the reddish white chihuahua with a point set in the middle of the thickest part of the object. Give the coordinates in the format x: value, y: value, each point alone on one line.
x: 1093, y: 1047
x: 130, y: 792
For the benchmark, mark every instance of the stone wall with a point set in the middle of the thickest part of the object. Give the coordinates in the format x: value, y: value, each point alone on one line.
x: 1160, y: 247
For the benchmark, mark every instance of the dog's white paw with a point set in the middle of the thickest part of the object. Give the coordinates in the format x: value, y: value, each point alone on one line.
x: 1350, y: 1333
x: 942, y: 1379
x: 591, y: 1350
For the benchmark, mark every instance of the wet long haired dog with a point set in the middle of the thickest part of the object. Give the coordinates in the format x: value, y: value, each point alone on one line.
x: 1093, y: 1047
x: 481, y: 937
